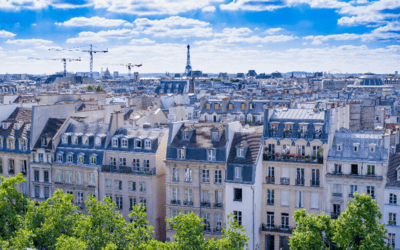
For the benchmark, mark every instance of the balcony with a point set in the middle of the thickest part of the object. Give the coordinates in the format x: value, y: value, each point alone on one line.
x: 285, y: 181
x: 351, y: 195
x: 287, y: 133
x: 217, y: 230
x: 335, y: 215
x: 280, y: 229
x: 270, y: 180
x: 128, y: 170
x: 188, y: 203
x: 205, y: 204
x: 207, y: 228
x: 273, y: 132
x: 218, y: 205
x: 81, y: 205
x: 188, y: 180
x: 175, y: 179
x: 11, y: 171
x: 175, y: 202
x: 270, y: 202
x: 299, y: 181
x: 355, y: 176
x: 314, y: 183
x: 302, y: 134
x: 297, y: 158
x: 337, y: 194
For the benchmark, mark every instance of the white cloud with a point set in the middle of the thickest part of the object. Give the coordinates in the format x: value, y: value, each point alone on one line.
x: 246, y: 40
x: 273, y: 30
x: 234, y: 32
x: 142, y: 41
x: 17, y: 5
x: 103, y: 36
x: 153, y: 7
x: 93, y: 21
x: 252, y: 5
x: 31, y: 42
x: 209, y: 9
x: 26, y: 51
x: 259, y: 46
x: 172, y: 21
x: 4, y: 33
x: 128, y: 24
x: 316, y: 42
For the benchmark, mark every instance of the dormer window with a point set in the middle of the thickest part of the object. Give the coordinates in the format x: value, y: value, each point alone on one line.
x: 138, y: 143
x: 211, y: 154
x: 75, y: 140
x: 147, y: 144
x: 230, y: 106
x: 85, y: 140
x: 214, y: 136
x: 372, y: 147
x: 240, y: 152
x: 65, y: 139
x: 124, y: 143
x: 252, y: 106
x: 181, y: 153
x: 208, y: 106
x: 114, y: 142
x: 81, y: 158
x: 16, y: 126
x: 93, y: 159
x: 10, y: 143
x: 398, y: 175
x: 1, y: 142
x: 97, y: 141
x: 70, y: 158
x: 185, y: 135
x: 60, y: 157
x: 243, y: 106
x: 44, y: 142
x: 28, y: 127
x: 22, y: 145
x: 5, y: 125
x: 216, y: 106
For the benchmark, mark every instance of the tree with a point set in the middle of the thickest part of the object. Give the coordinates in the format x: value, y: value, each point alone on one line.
x: 99, y: 89
x: 358, y: 227
x: 312, y: 231
x: 90, y: 87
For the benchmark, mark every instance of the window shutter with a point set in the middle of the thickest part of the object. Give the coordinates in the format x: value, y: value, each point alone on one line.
x: 315, y: 200
x: 285, y: 198
x: 285, y: 173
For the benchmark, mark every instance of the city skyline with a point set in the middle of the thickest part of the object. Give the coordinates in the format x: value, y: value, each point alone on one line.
x: 224, y: 36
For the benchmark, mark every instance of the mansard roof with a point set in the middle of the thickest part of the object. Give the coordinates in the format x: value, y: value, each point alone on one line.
x: 249, y: 141
x: 50, y: 129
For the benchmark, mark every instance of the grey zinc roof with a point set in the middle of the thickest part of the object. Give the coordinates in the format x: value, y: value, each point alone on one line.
x: 393, y: 166
x: 297, y: 114
x: 249, y: 141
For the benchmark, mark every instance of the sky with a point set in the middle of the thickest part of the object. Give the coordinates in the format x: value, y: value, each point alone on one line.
x: 231, y: 36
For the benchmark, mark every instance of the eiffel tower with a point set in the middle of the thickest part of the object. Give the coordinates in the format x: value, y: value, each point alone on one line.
x: 188, y: 68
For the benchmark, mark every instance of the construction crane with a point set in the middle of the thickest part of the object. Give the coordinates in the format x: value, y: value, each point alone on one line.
x: 90, y: 51
x: 128, y: 65
x: 359, y: 84
x: 64, y: 60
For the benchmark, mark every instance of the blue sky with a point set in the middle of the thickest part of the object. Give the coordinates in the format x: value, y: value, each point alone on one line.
x: 225, y: 35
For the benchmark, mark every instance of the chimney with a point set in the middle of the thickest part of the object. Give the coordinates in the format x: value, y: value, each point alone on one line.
x: 117, y: 121
x: 202, y: 102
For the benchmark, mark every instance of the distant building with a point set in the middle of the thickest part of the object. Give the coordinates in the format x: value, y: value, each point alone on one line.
x: 107, y: 74
x: 136, y: 76
x: 240, y: 75
x: 396, y: 73
x: 115, y: 74
x: 252, y: 73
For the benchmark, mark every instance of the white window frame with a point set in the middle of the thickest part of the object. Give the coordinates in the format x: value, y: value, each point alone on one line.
x: 238, y: 172
x: 212, y: 155
x: 85, y: 140
x: 97, y: 141
x: 136, y: 142
x: 240, y: 152
x: 124, y: 143
x: 181, y: 153
x: 114, y: 142
x: 147, y: 144
x: 74, y: 137
x: 65, y: 139
x: 215, y: 136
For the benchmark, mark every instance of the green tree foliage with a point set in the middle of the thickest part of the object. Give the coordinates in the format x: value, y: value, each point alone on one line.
x: 90, y: 87
x: 57, y: 224
x: 99, y: 89
x: 356, y: 228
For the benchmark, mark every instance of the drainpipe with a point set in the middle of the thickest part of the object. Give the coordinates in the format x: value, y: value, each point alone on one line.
x: 252, y: 188
x: 29, y: 176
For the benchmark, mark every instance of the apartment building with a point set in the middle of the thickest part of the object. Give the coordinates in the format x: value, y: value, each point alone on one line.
x: 134, y: 173
x: 15, y: 133
x: 295, y: 146
x: 196, y: 173
x: 243, y: 184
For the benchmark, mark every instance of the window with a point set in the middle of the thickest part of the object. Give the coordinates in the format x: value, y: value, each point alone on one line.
x: 240, y: 152
x: 147, y: 144
x: 218, y: 222
x: 301, y: 149
x: 175, y: 174
x: 37, y: 191
x: 211, y: 155
x: 372, y: 148
x: 355, y: 147
x: 65, y: 139
x: 146, y: 165
x: 92, y: 181
x: 36, y: 174
x: 214, y: 136
x: 285, y: 220
x: 353, y: 188
x: 79, y: 178
x: 392, y: 218
x: 40, y: 157
x: 118, y: 201
x: 68, y: 177
x: 114, y: 142
x: 216, y: 106
x: 175, y: 195
x: 44, y: 142
x: 354, y: 169
x: 238, y: 172
x: 185, y: 135
x: 271, y: 148
x: 188, y: 175
x: 124, y: 143
x: 300, y: 176
x: 118, y: 185
x: 208, y: 106
x: 85, y: 140
x: 243, y: 106
x: 206, y: 196
x: 132, y: 203
x: 11, y: 166
x: 136, y: 163
x: 60, y: 157
x: 206, y: 221
x: 113, y: 161
x: 122, y: 162
x: 142, y: 187
x: 97, y: 141
x: 23, y: 166
x: 49, y: 158
x: 80, y: 159
x: 270, y: 172
x: 284, y: 198
x: 93, y: 159
x: 337, y: 189
x: 22, y: 145
x: 80, y: 198
x: 371, y: 191
x: 339, y: 147
x: 218, y: 176
x: 230, y: 106
x: 132, y: 186
x: 144, y: 202
x: 238, y: 217
x: 108, y: 184
x: 270, y: 220
x: 285, y: 149
x: 70, y: 158
x: 59, y: 176
x: 46, y: 192
x: 138, y: 143
x: 315, y: 177
x: 10, y: 143
x: 181, y: 153
x: 206, y: 176
x: 46, y: 176
x: 299, y: 199
x: 391, y: 240
x: 338, y: 168
x: 270, y: 196
x: 24, y: 188
x: 315, y: 200
x: 218, y: 197
x: 188, y: 196
x: 237, y: 194
x: 252, y: 105
x: 74, y: 139
x: 392, y: 198
x: 371, y: 170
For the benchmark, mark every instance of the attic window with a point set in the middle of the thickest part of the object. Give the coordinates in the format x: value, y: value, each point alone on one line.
x: 124, y: 143
x: 185, y: 135
x: 85, y: 140
x: 211, y: 154
x: 10, y: 143
x: 147, y: 144
x: 60, y: 157
x: 138, y: 143
x: 355, y: 147
x: 75, y: 140
x: 214, y: 136
x: 372, y: 148
x: 230, y: 106
x: 240, y: 152
x: 97, y: 141
x: 216, y: 106
x: 70, y: 158
x: 339, y: 147
x: 252, y: 106
x: 114, y: 142
x: 5, y: 125
x: 28, y: 127
x: 65, y: 139
x: 208, y: 106
x: 16, y: 126
x: 44, y: 142
x: 243, y: 106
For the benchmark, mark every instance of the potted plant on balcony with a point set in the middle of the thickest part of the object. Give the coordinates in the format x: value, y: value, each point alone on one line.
x: 392, y: 222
